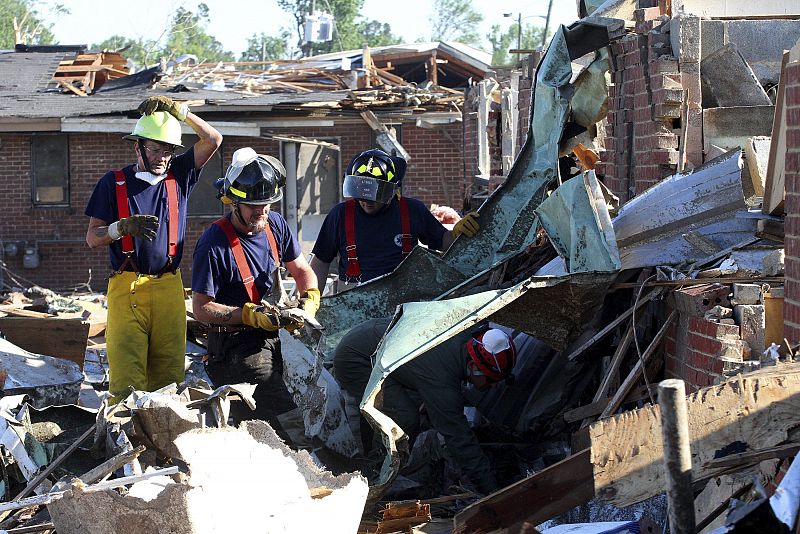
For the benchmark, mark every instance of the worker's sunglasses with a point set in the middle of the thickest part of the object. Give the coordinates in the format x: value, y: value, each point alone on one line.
x: 161, y: 152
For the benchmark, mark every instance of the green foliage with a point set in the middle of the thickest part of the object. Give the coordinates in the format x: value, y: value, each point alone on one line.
x: 502, y: 42
x: 375, y: 33
x: 262, y: 47
x: 350, y: 32
x: 140, y: 52
x: 30, y: 17
x: 188, y: 35
x: 456, y: 20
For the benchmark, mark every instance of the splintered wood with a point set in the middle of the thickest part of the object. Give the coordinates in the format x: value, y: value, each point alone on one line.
x: 86, y: 73
x: 748, y: 412
x: 398, y: 517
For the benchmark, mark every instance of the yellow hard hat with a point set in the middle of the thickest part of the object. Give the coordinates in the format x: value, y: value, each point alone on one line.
x: 158, y: 126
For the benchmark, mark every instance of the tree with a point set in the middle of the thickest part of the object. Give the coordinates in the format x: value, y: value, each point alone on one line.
x: 350, y: 32
x: 187, y: 35
x: 139, y: 51
x: 531, y: 38
x: 375, y: 33
x: 30, y: 21
x: 455, y: 20
x: 262, y: 47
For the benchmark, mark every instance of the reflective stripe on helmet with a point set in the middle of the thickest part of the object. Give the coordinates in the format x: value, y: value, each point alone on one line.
x: 236, y: 192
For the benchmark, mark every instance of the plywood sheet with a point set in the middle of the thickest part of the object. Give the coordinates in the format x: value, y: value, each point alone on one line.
x: 748, y: 412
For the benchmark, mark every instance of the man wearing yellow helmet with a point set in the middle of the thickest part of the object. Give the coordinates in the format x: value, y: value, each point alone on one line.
x: 139, y: 212
x: 375, y: 228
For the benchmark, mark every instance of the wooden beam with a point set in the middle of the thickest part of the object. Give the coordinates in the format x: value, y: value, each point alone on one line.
x: 385, y: 139
x: 65, y: 338
x: 633, y: 376
x: 612, y: 325
x: 66, y: 85
x: 535, y: 499
x: 755, y: 410
x: 774, y: 186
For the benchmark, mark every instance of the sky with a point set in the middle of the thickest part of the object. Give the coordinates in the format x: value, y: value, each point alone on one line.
x: 233, y: 21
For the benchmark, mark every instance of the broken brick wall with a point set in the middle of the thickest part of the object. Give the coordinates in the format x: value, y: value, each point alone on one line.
x: 791, y: 308
x: 652, y: 86
x: 703, y: 351
x: 435, y: 175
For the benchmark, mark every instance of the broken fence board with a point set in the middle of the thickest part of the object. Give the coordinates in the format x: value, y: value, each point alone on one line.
x: 753, y: 411
x: 545, y: 494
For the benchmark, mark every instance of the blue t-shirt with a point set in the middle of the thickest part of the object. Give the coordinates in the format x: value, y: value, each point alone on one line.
x: 214, y: 270
x: 143, y: 198
x: 378, y: 237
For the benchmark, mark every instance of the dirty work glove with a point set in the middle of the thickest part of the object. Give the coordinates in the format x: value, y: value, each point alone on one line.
x: 138, y: 226
x: 269, y: 318
x: 163, y: 103
x: 467, y: 226
x: 309, y: 301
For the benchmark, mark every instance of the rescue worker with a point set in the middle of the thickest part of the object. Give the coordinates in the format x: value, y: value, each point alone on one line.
x: 375, y: 228
x: 234, y: 261
x: 139, y: 212
x: 483, y: 357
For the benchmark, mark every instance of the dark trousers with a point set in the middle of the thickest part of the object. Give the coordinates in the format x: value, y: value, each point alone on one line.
x: 252, y: 356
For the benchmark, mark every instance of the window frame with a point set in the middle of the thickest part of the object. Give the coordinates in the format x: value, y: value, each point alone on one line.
x: 33, y: 173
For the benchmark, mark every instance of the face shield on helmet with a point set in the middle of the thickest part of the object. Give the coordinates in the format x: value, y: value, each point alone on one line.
x: 252, y: 179
x: 373, y: 176
x: 493, y: 354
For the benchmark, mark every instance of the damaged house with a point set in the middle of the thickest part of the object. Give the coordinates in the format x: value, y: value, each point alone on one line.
x: 649, y: 185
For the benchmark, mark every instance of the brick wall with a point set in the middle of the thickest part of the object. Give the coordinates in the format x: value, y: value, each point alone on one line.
x: 700, y: 351
x: 649, y: 84
x: 791, y: 308
x: 435, y: 175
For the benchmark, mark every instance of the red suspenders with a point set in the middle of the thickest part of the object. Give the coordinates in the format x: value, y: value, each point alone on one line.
x: 123, y: 211
x: 241, y: 261
x: 353, y: 267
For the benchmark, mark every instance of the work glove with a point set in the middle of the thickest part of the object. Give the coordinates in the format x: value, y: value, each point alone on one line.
x: 164, y: 103
x: 138, y: 226
x: 309, y: 301
x: 467, y: 226
x: 269, y: 318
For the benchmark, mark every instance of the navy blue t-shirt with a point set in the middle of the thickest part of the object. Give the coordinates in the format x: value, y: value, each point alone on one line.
x: 143, y: 198
x: 378, y: 237
x: 214, y: 270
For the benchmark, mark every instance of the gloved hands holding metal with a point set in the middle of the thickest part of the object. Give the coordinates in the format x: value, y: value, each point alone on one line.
x: 309, y: 301
x: 164, y: 103
x: 468, y: 225
x: 268, y: 317
x: 138, y: 226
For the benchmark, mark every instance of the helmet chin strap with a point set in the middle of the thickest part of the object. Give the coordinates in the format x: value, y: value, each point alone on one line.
x: 238, y: 213
x: 146, y: 160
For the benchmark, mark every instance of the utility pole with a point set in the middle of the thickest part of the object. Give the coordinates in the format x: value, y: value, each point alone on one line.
x: 519, y: 34
x: 546, y: 25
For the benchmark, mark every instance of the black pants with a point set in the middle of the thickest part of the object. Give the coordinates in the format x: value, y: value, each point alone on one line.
x: 252, y: 356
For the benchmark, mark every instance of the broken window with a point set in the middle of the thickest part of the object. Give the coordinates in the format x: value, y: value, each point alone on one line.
x: 203, y: 201
x: 50, y: 170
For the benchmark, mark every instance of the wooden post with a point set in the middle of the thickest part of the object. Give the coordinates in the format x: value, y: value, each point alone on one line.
x: 677, y: 455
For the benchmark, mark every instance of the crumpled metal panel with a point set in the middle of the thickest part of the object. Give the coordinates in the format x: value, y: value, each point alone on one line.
x: 508, y: 221
x: 574, y: 223
x: 590, y: 101
x: 650, y: 227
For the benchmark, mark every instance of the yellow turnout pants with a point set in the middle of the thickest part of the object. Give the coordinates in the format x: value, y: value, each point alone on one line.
x: 145, y: 333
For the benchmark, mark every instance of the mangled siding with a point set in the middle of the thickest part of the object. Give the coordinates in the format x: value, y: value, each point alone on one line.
x: 750, y: 412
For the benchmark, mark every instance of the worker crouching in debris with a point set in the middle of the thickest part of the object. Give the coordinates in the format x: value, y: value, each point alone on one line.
x: 139, y: 212
x: 375, y: 227
x: 434, y: 379
x: 232, y: 270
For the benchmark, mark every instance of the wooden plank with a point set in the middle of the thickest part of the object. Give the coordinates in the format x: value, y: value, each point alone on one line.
x: 65, y: 84
x: 612, y: 325
x: 774, y: 186
x: 755, y: 410
x: 633, y: 376
x: 66, y: 338
x: 385, y: 139
x: 541, y: 496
